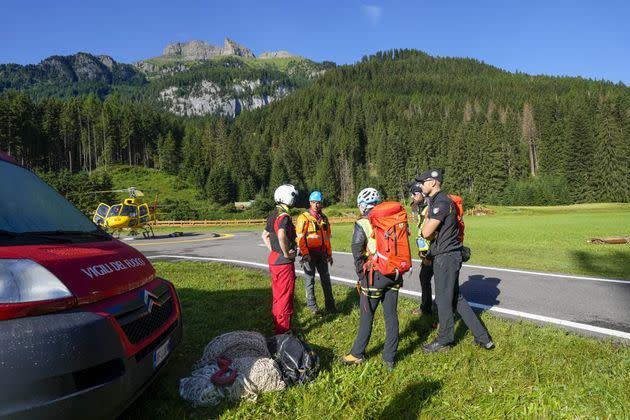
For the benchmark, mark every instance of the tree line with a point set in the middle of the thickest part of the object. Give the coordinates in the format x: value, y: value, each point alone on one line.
x: 502, y: 138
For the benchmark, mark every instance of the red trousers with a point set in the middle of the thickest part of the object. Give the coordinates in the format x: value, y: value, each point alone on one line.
x: 282, y: 287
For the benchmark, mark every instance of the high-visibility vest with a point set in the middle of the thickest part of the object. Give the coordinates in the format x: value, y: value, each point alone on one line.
x: 370, y: 248
x: 313, y: 235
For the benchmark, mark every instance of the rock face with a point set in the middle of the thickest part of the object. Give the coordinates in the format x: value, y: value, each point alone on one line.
x: 200, y: 50
x: 276, y: 54
x: 80, y: 67
x: 208, y: 98
x: 232, y: 48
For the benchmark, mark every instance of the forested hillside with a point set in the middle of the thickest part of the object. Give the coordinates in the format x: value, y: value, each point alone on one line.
x: 501, y: 137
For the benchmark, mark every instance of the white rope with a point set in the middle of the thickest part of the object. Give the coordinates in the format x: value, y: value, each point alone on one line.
x: 256, y: 371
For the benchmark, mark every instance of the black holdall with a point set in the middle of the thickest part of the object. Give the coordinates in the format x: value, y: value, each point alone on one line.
x: 465, y: 253
x: 297, y: 360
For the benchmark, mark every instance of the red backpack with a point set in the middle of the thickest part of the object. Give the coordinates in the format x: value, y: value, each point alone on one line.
x: 391, y: 232
x: 459, y: 207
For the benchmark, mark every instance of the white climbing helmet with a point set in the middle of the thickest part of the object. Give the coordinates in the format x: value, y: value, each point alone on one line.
x: 285, y: 194
x: 368, y: 198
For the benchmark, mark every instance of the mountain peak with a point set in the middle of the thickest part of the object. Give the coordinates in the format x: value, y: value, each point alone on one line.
x: 200, y: 50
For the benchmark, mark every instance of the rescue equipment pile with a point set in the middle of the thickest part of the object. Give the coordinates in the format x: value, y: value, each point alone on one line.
x: 238, y: 365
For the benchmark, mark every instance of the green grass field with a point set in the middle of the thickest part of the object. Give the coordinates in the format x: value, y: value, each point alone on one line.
x: 550, y: 239
x: 535, y: 372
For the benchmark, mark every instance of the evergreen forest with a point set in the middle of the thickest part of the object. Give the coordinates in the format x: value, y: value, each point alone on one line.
x: 501, y: 137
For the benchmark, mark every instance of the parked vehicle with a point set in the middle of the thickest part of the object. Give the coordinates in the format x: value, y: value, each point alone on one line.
x: 85, y: 323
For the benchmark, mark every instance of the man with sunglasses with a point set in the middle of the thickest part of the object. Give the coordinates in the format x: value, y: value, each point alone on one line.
x: 426, y: 268
x: 441, y: 228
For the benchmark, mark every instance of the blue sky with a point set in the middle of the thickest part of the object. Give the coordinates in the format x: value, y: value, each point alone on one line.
x: 574, y: 38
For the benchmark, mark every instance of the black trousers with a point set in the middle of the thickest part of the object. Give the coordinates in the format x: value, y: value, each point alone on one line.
x: 426, y: 303
x: 389, y: 298
x: 446, y: 269
x: 320, y: 265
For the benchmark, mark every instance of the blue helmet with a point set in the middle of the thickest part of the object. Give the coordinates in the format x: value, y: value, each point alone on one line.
x: 315, y: 196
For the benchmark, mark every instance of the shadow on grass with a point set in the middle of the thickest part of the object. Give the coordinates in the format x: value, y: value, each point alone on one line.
x: 344, y: 307
x: 614, y: 265
x: 408, y: 403
x: 313, y: 322
x: 419, y: 330
x: 207, y: 314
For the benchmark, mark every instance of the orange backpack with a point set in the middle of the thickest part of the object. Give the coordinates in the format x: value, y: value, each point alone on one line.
x: 459, y: 207
x: 391, y: 232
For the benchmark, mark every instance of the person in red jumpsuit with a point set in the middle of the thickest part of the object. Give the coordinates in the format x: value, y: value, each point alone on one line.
x: 279, y: 237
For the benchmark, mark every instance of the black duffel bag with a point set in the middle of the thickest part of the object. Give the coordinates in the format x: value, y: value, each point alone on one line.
x: 297, y: 360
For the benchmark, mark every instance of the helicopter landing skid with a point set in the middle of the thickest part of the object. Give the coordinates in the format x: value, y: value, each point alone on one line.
x: 147, y: 232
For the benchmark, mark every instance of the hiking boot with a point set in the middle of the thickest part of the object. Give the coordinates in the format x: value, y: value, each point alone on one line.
x: 349, y: 359
x: 488, y: 346
x: 435, y: 347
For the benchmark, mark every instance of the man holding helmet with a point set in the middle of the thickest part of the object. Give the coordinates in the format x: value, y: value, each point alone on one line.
x: 313, y: 239
x: 279, y: 237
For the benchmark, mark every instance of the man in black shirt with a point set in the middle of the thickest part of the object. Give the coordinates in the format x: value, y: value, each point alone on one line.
x: 442, y: 229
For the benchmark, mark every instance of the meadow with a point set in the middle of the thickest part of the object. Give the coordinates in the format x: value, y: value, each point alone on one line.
x: 534, y: 372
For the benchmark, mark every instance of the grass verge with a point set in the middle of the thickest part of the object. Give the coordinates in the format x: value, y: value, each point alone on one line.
x: 535, y: 372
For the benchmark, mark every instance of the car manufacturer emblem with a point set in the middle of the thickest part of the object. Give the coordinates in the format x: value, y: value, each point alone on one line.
x: 150, y: 301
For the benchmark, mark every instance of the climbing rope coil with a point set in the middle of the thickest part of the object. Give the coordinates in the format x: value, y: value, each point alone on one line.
x: 236, y: 365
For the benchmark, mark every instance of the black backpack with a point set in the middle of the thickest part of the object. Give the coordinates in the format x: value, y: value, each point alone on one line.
x: 297, y: 360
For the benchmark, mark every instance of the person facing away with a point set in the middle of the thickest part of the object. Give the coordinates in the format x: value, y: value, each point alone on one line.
x: 441, y: 227
x: 382, y: 289
x: 313, y: 240
x: 279, y: 237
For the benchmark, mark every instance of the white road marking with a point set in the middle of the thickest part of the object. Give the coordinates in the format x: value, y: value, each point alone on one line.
x: 525, y: 315
x: 510, y: 270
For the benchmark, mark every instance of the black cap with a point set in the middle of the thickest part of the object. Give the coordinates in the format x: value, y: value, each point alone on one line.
x: 436, y: 174
x: 416, y: 187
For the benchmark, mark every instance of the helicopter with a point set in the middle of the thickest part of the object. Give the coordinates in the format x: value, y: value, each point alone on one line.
x: 132, y: 213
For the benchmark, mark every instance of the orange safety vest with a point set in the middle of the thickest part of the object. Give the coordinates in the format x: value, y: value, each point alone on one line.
x: 313, y: 235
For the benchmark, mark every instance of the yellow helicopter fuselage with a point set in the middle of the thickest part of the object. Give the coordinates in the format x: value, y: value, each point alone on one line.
x: 132, y: 213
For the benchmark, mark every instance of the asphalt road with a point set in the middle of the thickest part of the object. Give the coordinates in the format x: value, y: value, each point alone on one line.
x: 587, y: 305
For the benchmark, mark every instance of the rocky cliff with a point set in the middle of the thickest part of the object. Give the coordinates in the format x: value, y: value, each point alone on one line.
x: 80, y: 67
x: 276, y: 54
x: 200, y: 50
x: 207, y: 97
x: 63, y: 70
